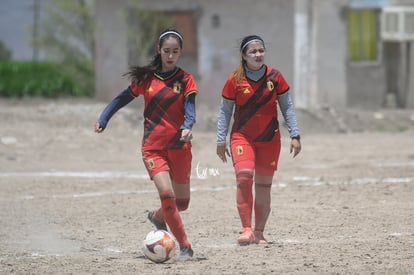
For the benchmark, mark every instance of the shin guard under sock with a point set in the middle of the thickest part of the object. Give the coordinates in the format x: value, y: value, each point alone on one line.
x: 173, y: 218
x: 182, y: 205
x: 244, y: 197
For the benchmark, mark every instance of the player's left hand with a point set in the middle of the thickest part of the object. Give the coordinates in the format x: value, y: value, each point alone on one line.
x: 98, y: 128
x: 295, y: 147
x: 222, y: 151
x: 186, y: 135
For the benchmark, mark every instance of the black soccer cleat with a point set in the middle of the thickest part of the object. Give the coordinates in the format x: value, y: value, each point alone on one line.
x: 158, y: 225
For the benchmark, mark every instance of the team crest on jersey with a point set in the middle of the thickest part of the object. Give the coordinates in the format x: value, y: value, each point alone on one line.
x: 177, y: 87
x: 150, y: 163
x: 270, y: 85
x: 239, y: 150
x: 150, y: 89
x: 273, y: 163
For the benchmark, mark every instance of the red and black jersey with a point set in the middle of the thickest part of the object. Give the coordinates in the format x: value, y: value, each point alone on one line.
x: 164, y: 108
x: 256, y: 104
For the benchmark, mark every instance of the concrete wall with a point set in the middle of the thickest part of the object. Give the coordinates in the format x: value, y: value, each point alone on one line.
x: 410, y: 78
x: 111, y: 49
x: 405, y: 79
x: 16, y: 19
x: 221, y: 25
x: 387, y: 82
x: 219, y: 47
x: 366, y: 86
x: 331, y: 44
x: 218, y: 52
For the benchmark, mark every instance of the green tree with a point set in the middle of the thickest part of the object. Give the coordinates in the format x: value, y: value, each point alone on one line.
x: 66, y: 35
x: 143, y: 28
x: 5, y: 53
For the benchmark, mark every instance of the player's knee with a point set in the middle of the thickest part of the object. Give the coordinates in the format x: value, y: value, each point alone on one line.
x: 244, y: 179
x: 182, y: 204
x: 167, y: 201
x: 267, y: 185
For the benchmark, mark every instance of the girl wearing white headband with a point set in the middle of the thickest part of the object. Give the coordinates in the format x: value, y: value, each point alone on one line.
x: 252, y: 92
x: 169, y: 114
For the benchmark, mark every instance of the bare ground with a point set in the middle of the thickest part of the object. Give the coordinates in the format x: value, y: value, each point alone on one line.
x: 73, y: 202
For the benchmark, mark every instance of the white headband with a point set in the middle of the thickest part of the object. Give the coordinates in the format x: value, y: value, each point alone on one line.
x: 251, y: 41
x: 171, y: 32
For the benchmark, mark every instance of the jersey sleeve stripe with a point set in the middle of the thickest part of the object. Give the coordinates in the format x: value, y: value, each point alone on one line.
x: 227, y: 98
x: 284, y: 92
x: 192, y: 92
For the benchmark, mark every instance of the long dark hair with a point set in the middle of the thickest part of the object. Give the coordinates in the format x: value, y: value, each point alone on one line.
x: 141, y: 73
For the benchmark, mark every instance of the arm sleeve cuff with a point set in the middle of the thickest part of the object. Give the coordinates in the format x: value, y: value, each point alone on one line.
x: 117, y: 103
x: 190, y: 113
x: 288, y: 112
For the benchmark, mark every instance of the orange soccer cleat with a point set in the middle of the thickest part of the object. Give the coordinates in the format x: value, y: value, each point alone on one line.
x: 246, y: 237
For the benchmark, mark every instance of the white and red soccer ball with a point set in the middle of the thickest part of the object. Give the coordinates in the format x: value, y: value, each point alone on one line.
x: 159, y: 246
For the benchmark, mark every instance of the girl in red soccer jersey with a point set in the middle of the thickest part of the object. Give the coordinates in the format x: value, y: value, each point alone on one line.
x: 253, y: 91
x: 169, y: 94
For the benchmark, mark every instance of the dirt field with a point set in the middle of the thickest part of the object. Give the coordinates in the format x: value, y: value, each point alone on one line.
x: 74, y: 202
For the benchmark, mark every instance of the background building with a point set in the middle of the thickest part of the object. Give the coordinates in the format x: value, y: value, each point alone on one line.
x: 333, y: 53
x: 16, y: 18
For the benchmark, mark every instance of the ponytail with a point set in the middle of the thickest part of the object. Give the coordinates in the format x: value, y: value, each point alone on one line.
x: 139, y: 74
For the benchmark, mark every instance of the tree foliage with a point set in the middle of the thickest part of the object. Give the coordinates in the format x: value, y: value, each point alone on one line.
x: 5, y: 53
x: 66, y: 35
x: 32, y: 78
x: 144, y: 26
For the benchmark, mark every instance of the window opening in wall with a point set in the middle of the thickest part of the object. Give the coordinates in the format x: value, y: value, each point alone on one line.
x: 363, y: 34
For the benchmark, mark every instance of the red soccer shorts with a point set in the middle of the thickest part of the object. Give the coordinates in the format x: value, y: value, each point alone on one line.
x: 262, y: 157
x: 176, y: 161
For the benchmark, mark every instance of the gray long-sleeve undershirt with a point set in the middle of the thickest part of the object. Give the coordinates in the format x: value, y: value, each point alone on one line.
x: 226, y: 111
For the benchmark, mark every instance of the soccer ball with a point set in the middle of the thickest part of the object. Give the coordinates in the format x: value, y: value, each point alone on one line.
x: 159, y: 246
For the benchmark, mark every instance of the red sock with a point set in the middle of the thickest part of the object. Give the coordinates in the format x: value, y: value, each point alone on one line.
x: 173, y: 218
x: 182, y: 205
x: 244, y: 197
x: 158, y: 215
